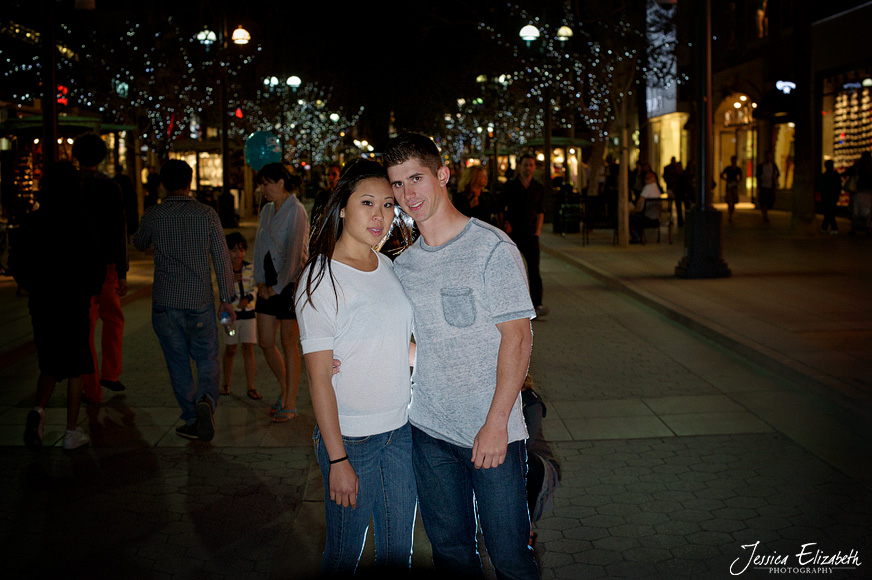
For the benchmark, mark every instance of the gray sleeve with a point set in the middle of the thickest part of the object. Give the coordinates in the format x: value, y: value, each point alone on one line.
x: 505, y: 284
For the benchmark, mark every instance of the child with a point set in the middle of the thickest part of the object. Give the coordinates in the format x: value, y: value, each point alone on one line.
x: 243, y: 305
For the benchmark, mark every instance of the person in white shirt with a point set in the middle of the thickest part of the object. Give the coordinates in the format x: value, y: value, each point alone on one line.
x: 351, y: 306
x: 279, y: 256
x: 645, y: 213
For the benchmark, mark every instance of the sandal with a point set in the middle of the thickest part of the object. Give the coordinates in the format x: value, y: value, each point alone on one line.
x: 253, y: 394
x: 281, y: 416
x: 276, y: 407
x: 225, y: 390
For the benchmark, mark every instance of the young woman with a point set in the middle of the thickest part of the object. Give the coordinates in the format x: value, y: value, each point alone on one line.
x: 351, y: 306
x: 472, y: 198
x: 279, y: 255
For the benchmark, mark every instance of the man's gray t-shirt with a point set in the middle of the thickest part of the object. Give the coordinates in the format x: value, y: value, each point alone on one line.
x: 459, y: 292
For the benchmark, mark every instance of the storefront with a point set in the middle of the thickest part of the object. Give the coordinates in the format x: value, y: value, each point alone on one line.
x: 667, y: 136
x: 735, y: 129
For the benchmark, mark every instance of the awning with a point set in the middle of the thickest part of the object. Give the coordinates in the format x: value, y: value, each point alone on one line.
x: 68, y: 126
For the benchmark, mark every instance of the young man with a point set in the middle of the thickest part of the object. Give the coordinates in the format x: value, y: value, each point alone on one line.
x: 472, y: 308
x: 184, y: 233
x: 524, y: 198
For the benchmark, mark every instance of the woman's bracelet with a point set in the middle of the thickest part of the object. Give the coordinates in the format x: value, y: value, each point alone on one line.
x: 340, y: 460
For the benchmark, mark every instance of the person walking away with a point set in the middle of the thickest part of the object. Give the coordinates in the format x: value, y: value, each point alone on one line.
x: 279, y: 255
x: 55, y: 260
x: 185, y: 234
x: 465, y: 280
x: 767, y: 181
x: 830, y: 188
x: 245, y: 328
x: 731, y: 174
x: 351, y: 306
x: 523, y: 200
x: 860, y: 175
x: 131, y: 205
x: 106, y: 202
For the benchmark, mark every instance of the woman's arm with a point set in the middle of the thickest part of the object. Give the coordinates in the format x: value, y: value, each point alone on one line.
x: 343, y: 480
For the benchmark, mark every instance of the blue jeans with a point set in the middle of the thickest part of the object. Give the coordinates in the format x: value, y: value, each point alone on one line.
x: 386, y: 493
x: 450, y: 489
x: 186, y: 334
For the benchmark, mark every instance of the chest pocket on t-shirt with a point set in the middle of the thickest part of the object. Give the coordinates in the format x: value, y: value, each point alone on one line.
x: 458, y: 306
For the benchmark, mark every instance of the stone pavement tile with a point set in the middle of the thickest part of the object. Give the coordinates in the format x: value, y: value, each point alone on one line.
x: 587, y: 409
x: 709, y: 496
x: 692, y: 404
x: 616, y: 428
x: 150, y: 513
x: 714, y: 423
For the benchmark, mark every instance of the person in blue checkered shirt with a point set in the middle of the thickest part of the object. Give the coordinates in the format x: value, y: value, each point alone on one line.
x: 185, y: 234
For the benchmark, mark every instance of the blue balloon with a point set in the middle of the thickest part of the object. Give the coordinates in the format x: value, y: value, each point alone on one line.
x: 262, y: 147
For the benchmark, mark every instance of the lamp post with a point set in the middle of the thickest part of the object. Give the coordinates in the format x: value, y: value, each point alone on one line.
x: 702, y: 234
x: 530, y: 34
x: 240, y: 36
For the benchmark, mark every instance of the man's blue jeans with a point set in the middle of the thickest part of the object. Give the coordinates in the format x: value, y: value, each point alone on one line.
x: 386, y: 493
x: 186, y: 334
x: 450, y: 489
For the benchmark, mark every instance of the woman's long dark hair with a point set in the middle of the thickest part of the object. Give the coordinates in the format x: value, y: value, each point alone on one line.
x: 329, y: 226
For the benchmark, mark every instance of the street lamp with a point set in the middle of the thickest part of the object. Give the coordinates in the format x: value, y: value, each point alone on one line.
x: 241, y: 36
x: 530, y: 33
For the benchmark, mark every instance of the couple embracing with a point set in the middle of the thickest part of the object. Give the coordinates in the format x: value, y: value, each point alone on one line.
x: 453, y: 441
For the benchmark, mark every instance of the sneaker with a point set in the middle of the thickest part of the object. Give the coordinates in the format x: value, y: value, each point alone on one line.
x: 73, y: 439
x: 112, y: 385
x: 33, y: 427
x: 187, y: 431
x: 542, y: 310
x: 205, y: 424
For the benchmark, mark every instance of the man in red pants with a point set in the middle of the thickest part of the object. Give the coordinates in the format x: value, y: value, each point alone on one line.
x: 107, y: 206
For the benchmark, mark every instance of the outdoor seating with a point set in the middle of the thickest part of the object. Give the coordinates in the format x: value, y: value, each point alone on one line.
x: 598, y: 214
x: 665, y: 220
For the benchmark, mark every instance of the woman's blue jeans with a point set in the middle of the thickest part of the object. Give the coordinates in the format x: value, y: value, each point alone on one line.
x: 451, y: 491
x: 186, y: 334
x: 386, y: 493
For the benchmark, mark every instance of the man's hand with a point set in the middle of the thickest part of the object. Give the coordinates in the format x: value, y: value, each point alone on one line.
x: 121, y: 288
x: 489, y: 447
x: 228, y: 308
x: 343, y: 484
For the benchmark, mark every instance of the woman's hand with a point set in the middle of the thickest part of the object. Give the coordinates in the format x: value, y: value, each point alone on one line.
x: 265, y: 291
x: 343, y: 484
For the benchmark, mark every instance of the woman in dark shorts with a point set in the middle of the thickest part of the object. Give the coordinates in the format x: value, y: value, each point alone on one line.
x: 55, y: 259
x: 280, y: 252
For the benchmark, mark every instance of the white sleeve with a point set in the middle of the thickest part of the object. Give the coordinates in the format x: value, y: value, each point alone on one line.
x: 316, y: 315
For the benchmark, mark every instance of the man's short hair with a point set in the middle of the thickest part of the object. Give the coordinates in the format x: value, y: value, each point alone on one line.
x: 413, y: 146
x: 89, y: 149
x: 236, y: 239
x: 526, y: 156
x: 176, y: 174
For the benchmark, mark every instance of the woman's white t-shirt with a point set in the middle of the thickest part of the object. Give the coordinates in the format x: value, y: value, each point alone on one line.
x: 367, y: 324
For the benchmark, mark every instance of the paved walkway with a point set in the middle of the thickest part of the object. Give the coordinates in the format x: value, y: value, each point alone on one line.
x: 691, y: 418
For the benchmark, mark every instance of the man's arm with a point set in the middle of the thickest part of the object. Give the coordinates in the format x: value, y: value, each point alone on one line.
x: 513, y: 359
x: 540, y: 219
x: 221, y: 263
